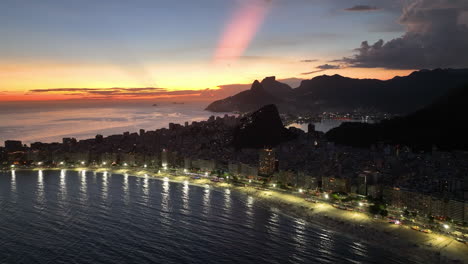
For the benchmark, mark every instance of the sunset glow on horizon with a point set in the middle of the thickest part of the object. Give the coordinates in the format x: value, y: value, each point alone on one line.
x: 217, y: 44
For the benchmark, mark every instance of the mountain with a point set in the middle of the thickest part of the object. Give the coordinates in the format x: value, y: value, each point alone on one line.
x: 442, y: 123
x: 325, y: 93
x: 412, y: 92
x: 262, y: 128
x: 269, y: 91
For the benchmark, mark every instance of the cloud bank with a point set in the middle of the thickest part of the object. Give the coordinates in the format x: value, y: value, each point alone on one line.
x: 436, y: 37
x: 322, y: 68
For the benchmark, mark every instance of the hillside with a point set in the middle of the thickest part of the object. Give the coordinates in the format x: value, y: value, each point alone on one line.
x: 269, y: 91
x: 325, y: 93
x: 442, y: 124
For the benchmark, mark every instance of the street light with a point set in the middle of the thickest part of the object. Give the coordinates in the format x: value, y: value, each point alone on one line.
x: 61, y: 163
x: 361, y: 204
x: 446, y: 226
x: 145, y: 165
x: 82, y: 163
x: 326, y: 196
x: 300, y: 190
x: 250, y: 181
x: 125, y: 164
x: 104, y: 163
x: 274, y: 185
x: 12, y: 166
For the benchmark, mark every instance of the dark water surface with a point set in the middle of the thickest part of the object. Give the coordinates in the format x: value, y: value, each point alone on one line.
x: 87, y: 217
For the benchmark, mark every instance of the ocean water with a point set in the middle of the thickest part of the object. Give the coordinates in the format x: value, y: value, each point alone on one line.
x: 50, y: 123
x: 86, y: 217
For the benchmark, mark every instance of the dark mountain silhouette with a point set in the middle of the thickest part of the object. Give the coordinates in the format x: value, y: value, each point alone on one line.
x: 269, y: 91
x: 441, y: 124
x: 275, y: 88
x: 262, y: 128
x: 324, y: 93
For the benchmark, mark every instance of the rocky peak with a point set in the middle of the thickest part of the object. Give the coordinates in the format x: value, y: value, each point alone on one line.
x: 256, y: 86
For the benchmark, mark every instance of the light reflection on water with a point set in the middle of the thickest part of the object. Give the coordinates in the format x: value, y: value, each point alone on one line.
x: 63, y: 189
x: 83, y: 185
x: 185, y: 195
x: 40, y: 186
x: 13, y: 181
x: 206, y: 200
x: 63, y: 231
x: 104, y: 185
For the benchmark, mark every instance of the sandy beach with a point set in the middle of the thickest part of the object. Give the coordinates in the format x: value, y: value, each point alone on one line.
x: 399, y: 239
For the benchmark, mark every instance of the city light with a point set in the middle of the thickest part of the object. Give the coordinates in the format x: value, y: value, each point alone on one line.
x: 125, y: 164
x: 206, y: 173
x: 82, y: 163
x: 39, y: 163
x: 446, y: 226
x: 326, y: 196
x: 166, y: 179
x: 61, y: 163
x: 250, y: 181
x: 12, y: 166
x: 274, y: 185
x: 300, y: 190
x: 104, y: 163
x: 361, y: 204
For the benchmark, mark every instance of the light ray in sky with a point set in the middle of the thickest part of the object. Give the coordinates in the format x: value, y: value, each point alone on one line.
x: 241, y: 29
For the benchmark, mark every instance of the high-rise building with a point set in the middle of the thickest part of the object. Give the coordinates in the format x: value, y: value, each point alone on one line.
x: 267, y: 162
x: 13, y: 145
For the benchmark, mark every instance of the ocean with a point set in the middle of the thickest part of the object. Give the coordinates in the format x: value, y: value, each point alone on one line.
x: 51, y: 122
x: 86, y: 217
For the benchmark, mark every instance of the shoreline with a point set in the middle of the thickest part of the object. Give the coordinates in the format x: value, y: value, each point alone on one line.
x: 398, y: 239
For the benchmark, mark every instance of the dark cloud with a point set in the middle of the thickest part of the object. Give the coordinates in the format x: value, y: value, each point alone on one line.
x: 322, y: 68
x: 62, y: 90
x: 328, y: 67
x: 312, y: 72
x: 436, y: 37
x: 360, y: 8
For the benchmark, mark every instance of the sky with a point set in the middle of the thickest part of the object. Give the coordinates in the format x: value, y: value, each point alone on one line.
x: 140, y: 49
